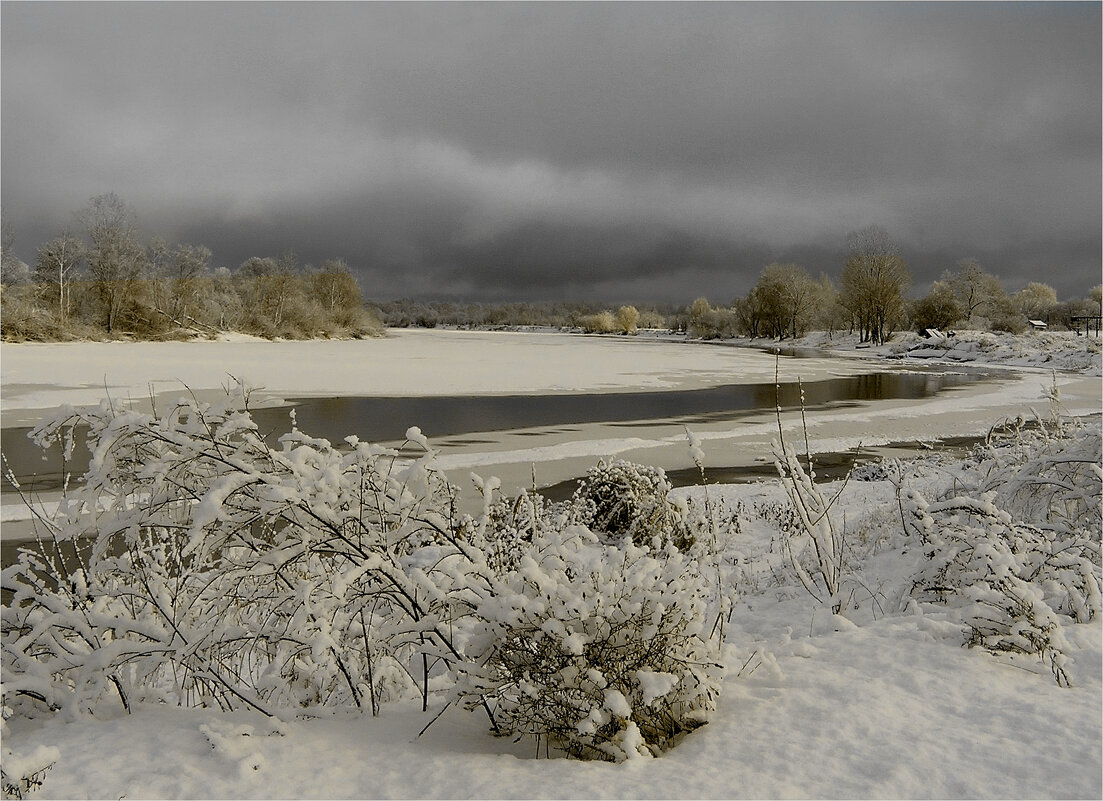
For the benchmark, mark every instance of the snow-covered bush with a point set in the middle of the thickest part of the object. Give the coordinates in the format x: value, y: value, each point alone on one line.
x: 816, y: 534
x: 1012, y: 535
x: 600, y: 649
x: 1054, y: 480
x: 22, y: 774
x: 1016, y: 582
x: 1016, y: 541
x: 506, y: 529
x: 212, y: 568
x: 626, y: 500
x: 616, y: 500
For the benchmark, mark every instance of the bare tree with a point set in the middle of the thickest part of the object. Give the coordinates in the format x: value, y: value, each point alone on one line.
x: 270, y: 289
x: 189, y: 278
x: 226, y: 306
x: 116, y: 259
x: 766, y: 304
x: 748, y: 314
x: 335, y: 286
x: 827, y: 315
x: 158, y: 270
x: 57, y: 262
x: 7, y: 239
x: 699, y: 314
x: 702, y: 320
x: 874, y: 280
x: 628, y: 318
x: 977, y: 292
x: 180, y: 279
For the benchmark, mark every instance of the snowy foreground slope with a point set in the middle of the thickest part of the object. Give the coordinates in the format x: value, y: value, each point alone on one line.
x: 892, y: 709
x: 883, y: 700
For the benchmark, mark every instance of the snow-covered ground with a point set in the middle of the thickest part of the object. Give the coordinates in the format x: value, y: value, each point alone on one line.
x: 895, y: 708
x: 1050, y: 350
x: 884, y: 703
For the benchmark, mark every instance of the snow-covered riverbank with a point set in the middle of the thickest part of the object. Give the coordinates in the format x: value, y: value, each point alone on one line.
x: 411, y: 362
x: 882, y: 702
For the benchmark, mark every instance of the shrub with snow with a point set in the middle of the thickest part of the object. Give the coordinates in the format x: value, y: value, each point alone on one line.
x: 815, y: 546
x: 1053, y: 480
x: 212, y: 569
x: 600, y: 649
x: 626, y: 500
x: 508, y: 525
x: 1022, y: 557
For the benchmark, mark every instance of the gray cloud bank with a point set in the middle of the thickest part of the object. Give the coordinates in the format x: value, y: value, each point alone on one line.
x: 637, y: 151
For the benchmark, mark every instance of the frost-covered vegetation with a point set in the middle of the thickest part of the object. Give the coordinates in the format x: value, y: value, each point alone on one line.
x: 107, y: 283
x: 210, y: 569
x: 1018, y: 546
x: 589, y: 316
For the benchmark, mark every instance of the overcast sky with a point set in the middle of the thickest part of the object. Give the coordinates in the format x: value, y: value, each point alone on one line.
x: 620, y: 151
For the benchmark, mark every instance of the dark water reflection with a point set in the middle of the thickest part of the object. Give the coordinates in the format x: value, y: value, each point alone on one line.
x: 382, y: 419
x: 385, y: 419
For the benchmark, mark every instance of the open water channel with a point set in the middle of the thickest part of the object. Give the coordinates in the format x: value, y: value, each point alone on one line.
x: 465, y: 420
x: 386, y: 419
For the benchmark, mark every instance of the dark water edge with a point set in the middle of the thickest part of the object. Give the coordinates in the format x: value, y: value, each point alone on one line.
x: 829, y: 466
x: 386, y: 419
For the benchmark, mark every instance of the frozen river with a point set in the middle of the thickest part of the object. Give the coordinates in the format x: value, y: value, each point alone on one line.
x: 511, y: 404
x: 456, y: 422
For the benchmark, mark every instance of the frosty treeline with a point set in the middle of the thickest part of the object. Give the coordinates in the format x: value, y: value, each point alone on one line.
x: 104, y: 281
x: 871, y: 300
x: 586, y: 315
x: 194, y: 564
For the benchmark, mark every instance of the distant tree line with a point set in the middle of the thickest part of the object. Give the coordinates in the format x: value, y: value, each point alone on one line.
x: 588, y: 316
x: 787, y: 302
x: 870, y: 300
x: 103, y: 281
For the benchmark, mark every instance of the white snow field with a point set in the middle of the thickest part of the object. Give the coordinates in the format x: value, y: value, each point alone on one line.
x: 890, y: 709
x: 884, y: 701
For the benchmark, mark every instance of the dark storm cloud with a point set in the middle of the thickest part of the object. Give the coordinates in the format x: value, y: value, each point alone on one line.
x: 512, y: 150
